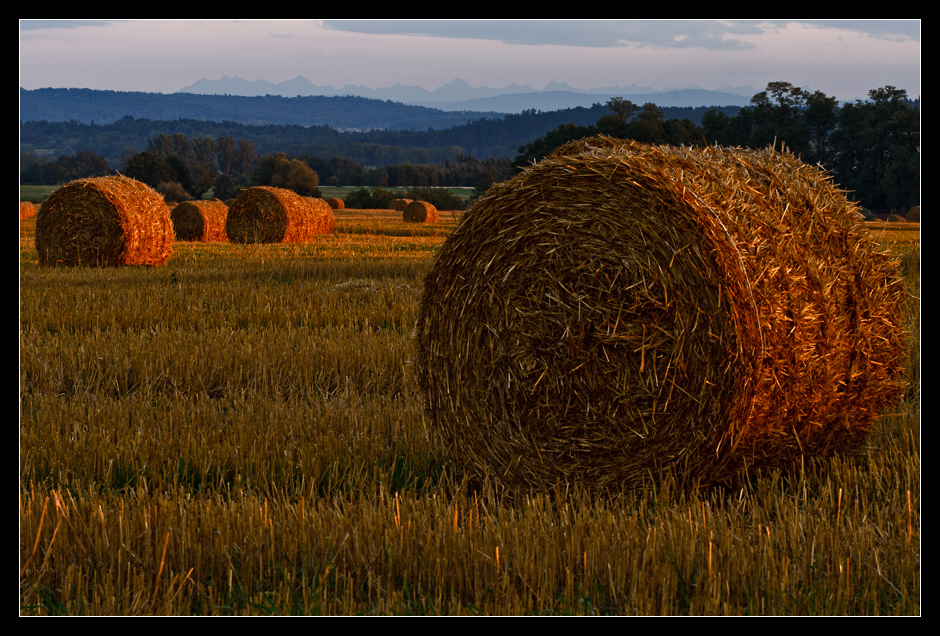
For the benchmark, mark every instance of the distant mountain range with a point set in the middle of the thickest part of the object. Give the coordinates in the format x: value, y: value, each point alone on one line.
x: 458, y: 95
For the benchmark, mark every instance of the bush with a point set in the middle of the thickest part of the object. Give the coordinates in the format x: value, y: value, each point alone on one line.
x: 439, y: 198
x: 371, y: 199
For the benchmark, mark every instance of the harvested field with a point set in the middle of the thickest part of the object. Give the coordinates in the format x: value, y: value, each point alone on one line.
x: 242, y: 432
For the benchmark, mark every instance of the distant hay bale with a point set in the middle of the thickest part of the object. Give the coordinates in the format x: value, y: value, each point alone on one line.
x: 323, y: 213
x: 336, y: 204
x: 420, y: 212
x: 274, y: 215
x: 27, y: 209
x: 896, y: 218
x: 398, y: 204
x: 200, y: 221
x: 104, y: 221
x: 913, y: 215
x: 621, y: 310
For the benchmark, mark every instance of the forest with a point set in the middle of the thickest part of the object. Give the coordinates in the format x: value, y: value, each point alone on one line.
x: 871, y: 147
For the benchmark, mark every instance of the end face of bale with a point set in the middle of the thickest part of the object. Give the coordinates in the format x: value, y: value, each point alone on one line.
x: 336, y: 203
x: 104, y: 221
x: 275, y: 215
x: 625, y: 310
x: 420, y: 212
x: 200, y: 221
x: 398, y: 204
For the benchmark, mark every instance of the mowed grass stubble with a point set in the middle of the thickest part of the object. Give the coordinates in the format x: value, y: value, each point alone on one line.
x: 240, y: 432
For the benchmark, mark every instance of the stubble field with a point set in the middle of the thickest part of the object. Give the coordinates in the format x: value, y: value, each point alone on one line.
x: 241, y: 432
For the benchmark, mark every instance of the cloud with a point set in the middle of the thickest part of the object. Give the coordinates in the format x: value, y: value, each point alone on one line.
x: 581, y: 33
x: 717, y: 35
x: 31, y: 25
x: 891, y: 30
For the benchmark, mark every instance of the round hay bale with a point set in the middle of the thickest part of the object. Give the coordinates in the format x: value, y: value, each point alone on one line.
x: 913, y: 215
x: 200, y: 221
x: 27, y: 209
x: 323, y: 213
x: 336, y: 203
x: 275, y: 215
x: 399, y: 204
x: 420, y: 212
x: 624, y: 311
x: 104, y: 221
x: 896, y: 218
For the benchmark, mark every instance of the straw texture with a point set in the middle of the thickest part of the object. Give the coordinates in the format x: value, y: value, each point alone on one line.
x: 104, y: 221
x: 420, y: 212
x: 621, y: 310
x: 399, y: 204
x: 200, y: 221
x: 275, y: 215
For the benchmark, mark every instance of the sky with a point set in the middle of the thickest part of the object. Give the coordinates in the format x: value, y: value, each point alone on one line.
x: 842, y: 58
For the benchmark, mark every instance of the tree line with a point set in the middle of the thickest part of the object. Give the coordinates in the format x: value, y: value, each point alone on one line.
x: 871, y: 147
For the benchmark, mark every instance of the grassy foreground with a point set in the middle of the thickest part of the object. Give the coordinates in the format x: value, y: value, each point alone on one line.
x: 240, y: 432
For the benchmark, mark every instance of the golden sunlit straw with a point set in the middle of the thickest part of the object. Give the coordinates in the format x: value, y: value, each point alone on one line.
x: 619, y: 311
x: 200, y: 221
x: 275, y: 215
x: 104, y: 221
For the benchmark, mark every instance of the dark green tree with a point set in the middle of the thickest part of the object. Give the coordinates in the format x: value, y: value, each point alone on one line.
x: 545, y: 145
x: 223, y: 188
x: 877, y: 154
x: 821, y: 116
x: 615, y: 123
x: 778, y: 118
x: 150, y: 169
x: 280, y: 171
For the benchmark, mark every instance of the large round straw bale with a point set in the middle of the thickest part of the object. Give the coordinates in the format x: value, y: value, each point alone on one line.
x: 336, y: 203
x: 200, y: 221
x: 398, y: 204
x: 420, y: 212
x: 913, y: 215
x: 104, y: 221
x: 619, y: 310
x: 275, y: 215
x: 27, y: 209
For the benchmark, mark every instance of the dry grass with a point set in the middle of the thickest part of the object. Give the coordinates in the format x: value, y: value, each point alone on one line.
x: 241, y: 432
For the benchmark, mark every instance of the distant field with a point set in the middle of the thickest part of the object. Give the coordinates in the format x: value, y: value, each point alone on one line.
x: 341, y: 191
x: 38, y: 193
